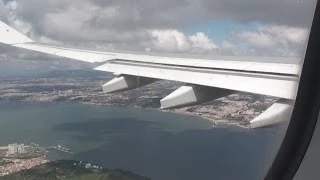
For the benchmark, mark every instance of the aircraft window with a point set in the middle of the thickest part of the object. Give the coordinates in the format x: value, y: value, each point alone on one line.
x: 157, y: 89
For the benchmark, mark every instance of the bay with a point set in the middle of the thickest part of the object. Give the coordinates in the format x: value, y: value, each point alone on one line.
x: 159, y: 145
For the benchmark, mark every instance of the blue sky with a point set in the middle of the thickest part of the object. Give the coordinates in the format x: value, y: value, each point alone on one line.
x: 219, y: 30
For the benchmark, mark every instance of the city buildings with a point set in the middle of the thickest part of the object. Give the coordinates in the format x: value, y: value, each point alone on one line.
x: 15, y: 149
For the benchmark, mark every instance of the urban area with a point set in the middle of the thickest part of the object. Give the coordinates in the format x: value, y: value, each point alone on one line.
x: 17, y: 157
x: 85, y: 87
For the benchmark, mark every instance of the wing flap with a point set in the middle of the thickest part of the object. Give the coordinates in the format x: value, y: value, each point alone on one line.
x: 272, y: 85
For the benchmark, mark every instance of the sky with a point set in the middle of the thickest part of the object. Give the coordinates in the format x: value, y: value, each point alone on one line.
x: 214, y: 27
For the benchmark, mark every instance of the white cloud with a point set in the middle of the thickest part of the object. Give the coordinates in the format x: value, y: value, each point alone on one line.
x: 137, y: 25
x: 71, y: 21
x: 266, y: 40
x: 23, y: 26
x: 170, y: 41
x: 274, y: 40
x: 285, y: 34
x: 12, y: 5
x: 257, y: 39
x: 201, y: 43
x: 176, y: 41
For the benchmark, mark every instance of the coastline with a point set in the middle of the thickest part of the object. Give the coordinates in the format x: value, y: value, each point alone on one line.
x: 236, y: 109
x: 70, y: 169
x: 216, y: 123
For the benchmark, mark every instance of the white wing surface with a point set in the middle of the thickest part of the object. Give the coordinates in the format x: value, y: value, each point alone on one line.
x: 246, y: 74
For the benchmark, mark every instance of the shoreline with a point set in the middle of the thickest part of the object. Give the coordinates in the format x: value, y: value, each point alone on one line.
x: 215, y: 123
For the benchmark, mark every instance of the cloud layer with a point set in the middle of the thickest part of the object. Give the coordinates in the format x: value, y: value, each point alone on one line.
x: 158, y: 25
x: 275, y: 40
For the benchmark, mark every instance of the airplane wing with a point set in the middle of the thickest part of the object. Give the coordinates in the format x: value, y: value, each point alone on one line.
x: 203, y: 77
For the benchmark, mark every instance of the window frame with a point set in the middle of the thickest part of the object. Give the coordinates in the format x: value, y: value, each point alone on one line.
x: 305, y: 112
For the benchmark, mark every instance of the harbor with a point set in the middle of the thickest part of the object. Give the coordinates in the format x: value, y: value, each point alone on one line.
x: 59, y: 148
x: 16, y: 150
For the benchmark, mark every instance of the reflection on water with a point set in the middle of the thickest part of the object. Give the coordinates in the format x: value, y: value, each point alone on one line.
x: 151, y: 143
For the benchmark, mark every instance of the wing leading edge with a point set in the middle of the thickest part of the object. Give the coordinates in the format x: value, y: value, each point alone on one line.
x: 201, y: 75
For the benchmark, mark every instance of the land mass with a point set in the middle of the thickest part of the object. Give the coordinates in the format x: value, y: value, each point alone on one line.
x: 85, y: 87
x: 72, y: 170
